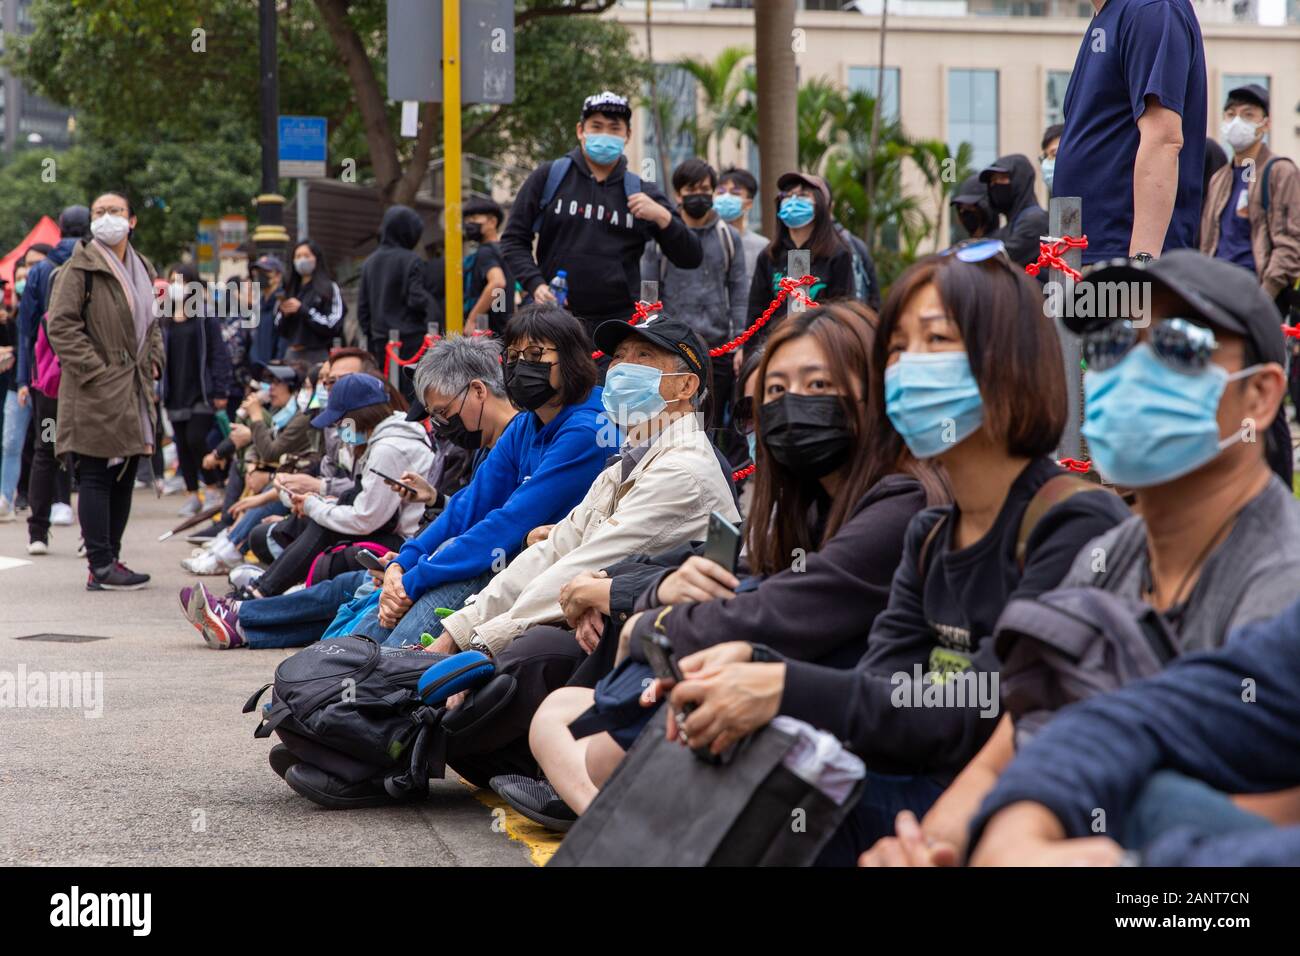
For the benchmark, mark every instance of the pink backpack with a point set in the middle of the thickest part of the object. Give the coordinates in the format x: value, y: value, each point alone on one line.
x: 48, y: 373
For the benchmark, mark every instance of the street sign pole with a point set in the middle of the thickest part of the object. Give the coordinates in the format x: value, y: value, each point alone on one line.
x: 451, y: 158
x: 270, y: 234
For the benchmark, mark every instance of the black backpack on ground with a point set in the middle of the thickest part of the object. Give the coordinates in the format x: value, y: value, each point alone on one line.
x: 1070, y: 644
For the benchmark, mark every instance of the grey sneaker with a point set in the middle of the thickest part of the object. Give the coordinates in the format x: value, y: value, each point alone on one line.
x: 535, y: 799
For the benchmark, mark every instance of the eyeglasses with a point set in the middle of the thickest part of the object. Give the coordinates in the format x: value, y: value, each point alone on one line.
x: 977, y: 250
x: 1179, y: 343
x: 533, y: 353
x: 108, y: 211
x: 440, y: 417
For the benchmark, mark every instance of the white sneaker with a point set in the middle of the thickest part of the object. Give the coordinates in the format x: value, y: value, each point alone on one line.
x: 219, y: 560
x: 37, y: 547
x: 7, y: 511
x: 61, y: 514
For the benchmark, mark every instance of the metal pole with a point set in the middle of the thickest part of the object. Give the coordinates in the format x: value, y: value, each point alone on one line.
x: 270, y: 234
x: 451, y: 168
x: 302, y: 210
x: 1065, y: 218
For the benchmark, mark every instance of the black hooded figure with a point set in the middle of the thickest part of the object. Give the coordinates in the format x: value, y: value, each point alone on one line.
x: 392, y: 293
x: 1026, y: 220
x: 971, y: 208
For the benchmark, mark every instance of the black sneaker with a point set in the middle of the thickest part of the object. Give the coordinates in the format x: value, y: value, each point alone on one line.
x: 282, y: 758
x: 116, y: 577
x: 535, y: 799
x: 327, y: 790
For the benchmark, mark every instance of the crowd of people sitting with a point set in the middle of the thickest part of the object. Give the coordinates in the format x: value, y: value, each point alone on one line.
x: 904, y: 495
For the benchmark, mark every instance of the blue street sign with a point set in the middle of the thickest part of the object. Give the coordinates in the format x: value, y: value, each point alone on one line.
x: 303, y: 144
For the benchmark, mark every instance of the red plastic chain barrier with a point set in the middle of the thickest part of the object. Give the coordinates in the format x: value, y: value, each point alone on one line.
x: 1078, y: 465
x: 1291, y: 331
x: 788, y: 286
x: 741, y: 473
x: 393, y: 352
x: 1049, y: 254
x: 639, y: 312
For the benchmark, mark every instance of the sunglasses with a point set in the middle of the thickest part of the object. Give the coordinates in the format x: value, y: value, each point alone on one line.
x: 1179, y: 343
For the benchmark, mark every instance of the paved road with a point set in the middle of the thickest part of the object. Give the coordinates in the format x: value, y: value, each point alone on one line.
x: 169, y: 773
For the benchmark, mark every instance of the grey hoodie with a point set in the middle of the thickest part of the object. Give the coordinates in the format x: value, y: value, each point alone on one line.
x: 712, y: 297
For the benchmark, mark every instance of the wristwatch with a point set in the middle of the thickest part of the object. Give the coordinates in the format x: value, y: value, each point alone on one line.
x: 1142, y: 257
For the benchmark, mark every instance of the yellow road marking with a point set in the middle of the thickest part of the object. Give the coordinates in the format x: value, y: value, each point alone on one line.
x: 541, y: 842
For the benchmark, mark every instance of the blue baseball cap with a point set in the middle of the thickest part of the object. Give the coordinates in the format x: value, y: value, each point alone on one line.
x: 348, y: 394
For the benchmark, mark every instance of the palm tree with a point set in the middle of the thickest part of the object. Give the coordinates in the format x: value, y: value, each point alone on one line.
x: 719, y: 81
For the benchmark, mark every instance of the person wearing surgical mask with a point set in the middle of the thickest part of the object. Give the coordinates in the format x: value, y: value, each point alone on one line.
x: 1238, y: 223
x: 197, y: 378
x: 312, y: 312
x: 1047, y: 158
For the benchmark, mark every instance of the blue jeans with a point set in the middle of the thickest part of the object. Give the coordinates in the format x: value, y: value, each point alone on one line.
x: 883, y: 798
x: 422, y: 617
x: 251, y: 519
x: 16, y: 420
x: 300, y: 618
x: 1171, y: 801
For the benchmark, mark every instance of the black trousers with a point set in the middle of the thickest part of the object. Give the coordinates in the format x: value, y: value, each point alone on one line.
x: 104, y: 506
x: 191, y: 438
x: 48, y: 473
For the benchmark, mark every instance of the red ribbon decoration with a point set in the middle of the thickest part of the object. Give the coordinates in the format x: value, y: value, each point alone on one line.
x: 741, y: 473
x: 1079, y: 465
x: 1049, y: 254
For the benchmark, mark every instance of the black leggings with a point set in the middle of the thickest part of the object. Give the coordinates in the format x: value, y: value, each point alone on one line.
x: 191, y: 445
x: 104, y: 506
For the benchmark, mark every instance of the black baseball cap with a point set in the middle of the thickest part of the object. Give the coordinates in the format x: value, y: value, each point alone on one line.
x: 609, y: 103
x: 289, y: 374
x: 268, y: 263
x: 1222, y: 294
x: 987, y: 172
x: 1250, y: 93
x: 661, y: 330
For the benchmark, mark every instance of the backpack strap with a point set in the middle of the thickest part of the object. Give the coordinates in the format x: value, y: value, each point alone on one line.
x: 728, y: 245
x: 631, y: 183
x: 1050, y: 493
x: 923, y: 555
x: 554, y: 176
x: 1263, y: 184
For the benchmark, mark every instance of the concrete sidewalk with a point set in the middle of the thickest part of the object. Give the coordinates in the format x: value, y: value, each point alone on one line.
x: 169, y: 773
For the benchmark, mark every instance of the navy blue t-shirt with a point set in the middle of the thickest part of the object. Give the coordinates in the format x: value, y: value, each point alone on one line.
x: 1234, y: 230
x: 1133, y: 48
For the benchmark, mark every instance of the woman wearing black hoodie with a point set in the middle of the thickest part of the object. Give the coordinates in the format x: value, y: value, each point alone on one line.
x: 1010, y: 183
x: 804, y: 221
x: 392, y: 295
x: 312, y: 314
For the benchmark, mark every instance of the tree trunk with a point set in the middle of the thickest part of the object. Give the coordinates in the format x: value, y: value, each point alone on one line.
x: 665, y: 173
x: 875, y: 129
x: 370, y: 100
x: 777, y: 99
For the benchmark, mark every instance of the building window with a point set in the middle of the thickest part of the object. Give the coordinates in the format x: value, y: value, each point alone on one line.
x: 973, y: 113
x: 676, y: 112
x: 865, y: 78
x: 1054, y: 107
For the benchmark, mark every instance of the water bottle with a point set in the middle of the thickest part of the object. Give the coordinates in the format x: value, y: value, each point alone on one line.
x: 560, y: 288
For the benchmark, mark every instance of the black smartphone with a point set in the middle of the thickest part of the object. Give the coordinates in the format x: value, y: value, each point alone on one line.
x: 394, y: 481
x: 659, y: 653
x: 722, y: 546
x: 370, y: 561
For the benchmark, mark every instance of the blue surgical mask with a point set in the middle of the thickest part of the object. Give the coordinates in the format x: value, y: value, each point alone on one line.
x: 353, y: 437
x: 631, y: 393
x: 20, y: 286
x: 729, y: 206
x: 752, y: 440
x: 1147, y: 424
x: 265, y: 390
x: 321, y: 397
x: 602, y: 148
x: 1048, y: 167
x: 797, y: 211
x: 933, y: 400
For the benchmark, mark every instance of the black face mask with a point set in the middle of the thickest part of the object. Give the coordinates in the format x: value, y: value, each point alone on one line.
x: 456, y: 433
x: 473, y: 231
x: 697, y: 205
x: 529, y: 384
x: 806, y: 433
x: 1000, y: 196
x: 972, y: 222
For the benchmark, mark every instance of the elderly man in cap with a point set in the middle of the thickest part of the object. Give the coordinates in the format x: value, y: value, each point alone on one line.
x: 592, y: 216
x: 268, y: 276
x: 1178, y: 402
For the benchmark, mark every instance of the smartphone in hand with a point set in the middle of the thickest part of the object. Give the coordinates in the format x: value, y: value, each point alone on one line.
x: 370, y: 561
x: 722, y: 546
x: 394, y: 481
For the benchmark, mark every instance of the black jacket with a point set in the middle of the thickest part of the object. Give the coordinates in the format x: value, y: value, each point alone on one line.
x: 318, y: 321
x: 392, y: 293
x: 1026, y: 220
x: 216, y: 374
x: 834, y: 279
x: 587, y: 231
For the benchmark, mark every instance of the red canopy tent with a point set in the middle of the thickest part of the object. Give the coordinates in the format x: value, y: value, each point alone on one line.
x: 47, y: 230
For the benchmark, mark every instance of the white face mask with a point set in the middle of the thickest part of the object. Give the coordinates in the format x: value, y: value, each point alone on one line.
x: 110, y: 230
x: 178, y: 292
x: 304, y: 266
x: 1238, y: 133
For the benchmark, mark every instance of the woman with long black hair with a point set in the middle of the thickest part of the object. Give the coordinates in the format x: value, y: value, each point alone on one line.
x: 311, y: 316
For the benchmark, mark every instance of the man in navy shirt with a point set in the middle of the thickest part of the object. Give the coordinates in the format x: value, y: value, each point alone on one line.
x: 1136, y: 105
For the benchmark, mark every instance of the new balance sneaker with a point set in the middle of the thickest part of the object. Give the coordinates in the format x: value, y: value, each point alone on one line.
x: 61, y: 514
x: 193, y: 600
x: 38, y: 547
x: 535, y: 799
x: 115, y: 577
x: 220, y: 621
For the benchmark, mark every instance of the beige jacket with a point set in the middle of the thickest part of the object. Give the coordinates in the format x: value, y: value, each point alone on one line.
x: 665, y: 502
x: 1275, y: 235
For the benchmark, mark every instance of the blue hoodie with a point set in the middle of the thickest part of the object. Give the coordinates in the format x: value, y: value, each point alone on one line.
x: 1196, y: 718
x: 34, y: 304
x: 532, y: 476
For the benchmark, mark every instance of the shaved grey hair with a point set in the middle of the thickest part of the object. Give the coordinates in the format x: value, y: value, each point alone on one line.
x: 457, y: 360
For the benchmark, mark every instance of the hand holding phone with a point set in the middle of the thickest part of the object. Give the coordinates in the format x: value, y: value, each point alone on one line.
x: 722, y: 546
x: 371, y: 561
